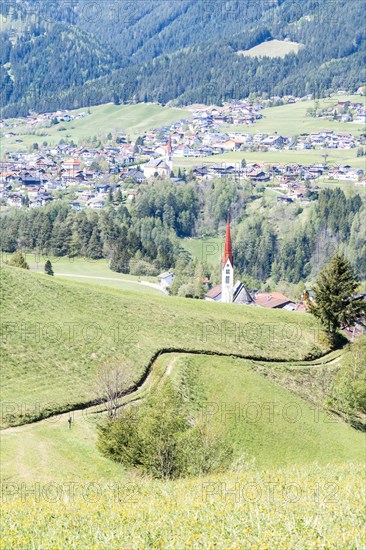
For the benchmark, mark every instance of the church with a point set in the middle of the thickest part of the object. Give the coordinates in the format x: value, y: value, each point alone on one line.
x: 228, y: 292
x: 160, y: 166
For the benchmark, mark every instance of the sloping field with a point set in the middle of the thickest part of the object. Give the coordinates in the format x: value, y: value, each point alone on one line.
x: 267, y: 424
x: 131, y: 119
x: 293, y: 119
x: 297, y: 482
x: 56, y: 334
x: 272, y: 48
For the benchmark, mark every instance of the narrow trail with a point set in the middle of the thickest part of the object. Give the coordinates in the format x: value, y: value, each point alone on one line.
x: 133, y: 394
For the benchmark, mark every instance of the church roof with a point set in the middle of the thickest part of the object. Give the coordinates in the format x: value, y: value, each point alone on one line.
x: 214, y: 292
x: 228, y: 251
x: 241, y: 294
x: 157, y: 163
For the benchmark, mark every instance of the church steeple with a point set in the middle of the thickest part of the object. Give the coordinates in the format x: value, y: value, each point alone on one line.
x: 228, y: 251
x: 169, y: 153
x: 227, y: 275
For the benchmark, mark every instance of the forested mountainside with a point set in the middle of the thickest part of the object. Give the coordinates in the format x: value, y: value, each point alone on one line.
x: 63, y: 55
x: 148, y: 235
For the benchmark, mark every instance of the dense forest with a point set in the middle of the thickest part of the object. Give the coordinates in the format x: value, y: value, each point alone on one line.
x: 64, y: 55
x: 271, y: 242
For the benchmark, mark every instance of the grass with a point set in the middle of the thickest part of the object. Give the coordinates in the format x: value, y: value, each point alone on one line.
x: 347, y: 186
x: 298, y: 478
x: 56, y: 333
x: 306, y: 507
x: 260, y: 418
x: 306, y: 157
x: 299, y: 485
x: 87, y: 266
x: 94, y: 272
x: 292, y: 119
x: 131, y: 119
x: 205, y: 249
x: 272, y: 48
x: 272, y: 426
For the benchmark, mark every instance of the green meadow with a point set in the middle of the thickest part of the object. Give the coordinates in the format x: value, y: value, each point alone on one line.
x: 134, y: 120
x: 267, y: 423
x: 306, y: 157
x: 292, y: 119
x: 272, y: 48
x: 63, y: 330
x: 94, y: 272
x: 296, y: 480
x: 296, y: 507
x: 204, y: 249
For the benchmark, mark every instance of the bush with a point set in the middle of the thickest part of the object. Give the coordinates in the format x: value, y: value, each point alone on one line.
x: 314, y: 353
x: 186, y: 291
x: 18, y: 260
x: 140, y: 267
x: 160, y: 440
x: 348, y: 391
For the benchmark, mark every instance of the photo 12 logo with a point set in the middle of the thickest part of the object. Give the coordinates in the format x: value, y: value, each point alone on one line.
x: 69, y: 491
x: 270, y: 492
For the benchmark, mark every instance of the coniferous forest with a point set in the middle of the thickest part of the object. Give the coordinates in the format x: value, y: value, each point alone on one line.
x: 64, y: 55
x: 145, y: 239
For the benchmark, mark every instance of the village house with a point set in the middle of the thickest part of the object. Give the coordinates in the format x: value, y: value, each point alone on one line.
x: 166, y: 279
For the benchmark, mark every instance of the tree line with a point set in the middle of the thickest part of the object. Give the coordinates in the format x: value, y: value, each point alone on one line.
x: 169, y: 59
x: 146, y: 237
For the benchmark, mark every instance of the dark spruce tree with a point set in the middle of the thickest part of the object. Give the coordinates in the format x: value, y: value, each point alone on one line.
x: 335, y: 303
x: 48, y: 268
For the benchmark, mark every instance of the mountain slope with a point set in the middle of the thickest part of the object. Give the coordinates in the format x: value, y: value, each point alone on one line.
x: 183, y: 52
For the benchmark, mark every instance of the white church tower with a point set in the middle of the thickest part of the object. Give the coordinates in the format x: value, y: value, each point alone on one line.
x: 227, y: 281
x: 169, y: 154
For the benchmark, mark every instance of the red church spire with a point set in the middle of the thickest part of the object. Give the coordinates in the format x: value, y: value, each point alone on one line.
x: 228, y: 252
x: 169, y: 145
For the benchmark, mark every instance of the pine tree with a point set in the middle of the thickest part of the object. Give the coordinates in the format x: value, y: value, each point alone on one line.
x: 95, y: 246
x: 335, y: 304
x: 48, y: 268
x: 110, y: 197
x: 120, y: 257
x: 119, y: 197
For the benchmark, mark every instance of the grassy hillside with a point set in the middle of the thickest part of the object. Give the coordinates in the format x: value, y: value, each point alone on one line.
x: 131, y: 119
x: 298, y: 483
x: 95, y: 272
x: 62, y: 331
x: 292, y: 119
x: 205, y: 249
x: 267, y: 423
x: 335, y: 156
x: 272, y: 48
